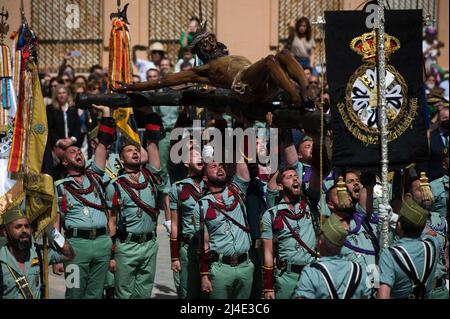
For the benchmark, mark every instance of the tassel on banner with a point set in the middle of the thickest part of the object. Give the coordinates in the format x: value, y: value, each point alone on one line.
x: 425, y: 188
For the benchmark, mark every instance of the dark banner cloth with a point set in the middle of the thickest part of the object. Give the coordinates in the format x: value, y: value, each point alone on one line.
x: 353, y: 90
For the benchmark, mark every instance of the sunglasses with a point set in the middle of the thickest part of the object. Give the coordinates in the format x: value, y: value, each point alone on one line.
x: 313, y: 82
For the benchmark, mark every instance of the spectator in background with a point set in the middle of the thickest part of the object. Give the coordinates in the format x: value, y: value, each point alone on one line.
x: 431, y: 51
x: 301, y: 42
x: 96, y: 69
x: 308, y: 71
x: 66, y: 80
x: 188, y: 35
x: 156, y: 53
x: 438, y: 141
x: 47, y: 90
x: 165, y: 67
x: 63, y: 124
x: 80, y: 81
x: 187, y: 57
x: 314, y: 84
x: 135, y: 78
x: 64, y: 68
x: 186, y: 66
x: 430, y: 83
x: 153, y: 74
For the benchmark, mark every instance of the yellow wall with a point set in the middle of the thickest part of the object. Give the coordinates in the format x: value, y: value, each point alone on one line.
x: 247, y: 27
x: 246, y: 31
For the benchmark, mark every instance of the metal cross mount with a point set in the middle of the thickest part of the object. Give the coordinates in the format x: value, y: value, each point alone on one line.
x: 121, y: 13
x: 4, y: 27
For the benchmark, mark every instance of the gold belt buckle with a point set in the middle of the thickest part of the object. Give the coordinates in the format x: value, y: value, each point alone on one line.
x: 92, y: 233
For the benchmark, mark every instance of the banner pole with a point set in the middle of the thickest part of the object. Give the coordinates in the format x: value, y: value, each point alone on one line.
x: 384, y: 222
x: 45, y: 261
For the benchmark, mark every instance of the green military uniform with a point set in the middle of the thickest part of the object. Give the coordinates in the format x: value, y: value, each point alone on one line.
x: 287, y: 228
x: 30, y: 278
x: 183, y: 196
x: 136, y: 247
x: 169, y: 115
x: 84, y: 218
x: 256, y: 205
x: 439, y: 188
x: 333, y: 277
x: 437, y: 226
x: 112, y: 169
x: 362, y: 244
x: 423, y: 254
x: 10, y: 269
x: 231, y: 271
x: 3, y: 241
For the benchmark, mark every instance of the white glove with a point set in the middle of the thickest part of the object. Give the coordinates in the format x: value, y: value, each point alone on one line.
x: 208, y: 153
x: 55, y: 236
x: 167, y: 226
x: 384, y: 211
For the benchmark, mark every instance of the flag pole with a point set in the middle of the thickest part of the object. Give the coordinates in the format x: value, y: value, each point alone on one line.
x: 45, y: 257
x: 384, y: 222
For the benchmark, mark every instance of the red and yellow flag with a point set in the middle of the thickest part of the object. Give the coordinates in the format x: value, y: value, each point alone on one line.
x: 120, y: 71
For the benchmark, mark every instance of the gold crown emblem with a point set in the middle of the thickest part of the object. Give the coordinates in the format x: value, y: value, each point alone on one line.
x: 366, y: 45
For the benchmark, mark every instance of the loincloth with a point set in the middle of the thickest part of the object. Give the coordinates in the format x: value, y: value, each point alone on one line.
x: 239, y: 86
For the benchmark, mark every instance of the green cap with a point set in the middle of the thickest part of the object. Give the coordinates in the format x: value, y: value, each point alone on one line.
x: 306, y: 138
x: 13, y: 213
x: 333, y: 230
x: 413, y: 212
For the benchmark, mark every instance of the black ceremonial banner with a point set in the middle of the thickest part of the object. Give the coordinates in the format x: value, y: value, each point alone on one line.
x: 352, y: 75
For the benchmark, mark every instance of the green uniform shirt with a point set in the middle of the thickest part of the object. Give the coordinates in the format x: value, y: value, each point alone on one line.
x: 113, y: 165
x: 288, y: 248
x: 132, y: 218
x: 437, y: 226
x: 392, y: 275
x: 186, y: 206
x: 79, y: 215
x: 312, y: 284
x: 169, y: 115
x: 31, y: 272
x: 359, y: 238
x: 439, y: 188
x: 225, y: 237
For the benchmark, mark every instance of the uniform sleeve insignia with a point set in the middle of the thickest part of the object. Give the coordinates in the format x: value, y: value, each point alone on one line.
x: 35, y: 262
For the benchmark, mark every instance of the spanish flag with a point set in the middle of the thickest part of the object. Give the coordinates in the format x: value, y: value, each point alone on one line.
x: 120, y: 71
x: 11, y: 188
x: 29, y: 137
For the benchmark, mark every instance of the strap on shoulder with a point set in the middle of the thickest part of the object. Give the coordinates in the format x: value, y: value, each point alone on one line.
x: 354, y: 280
x: 407, y: 266
x: 330, y: 284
